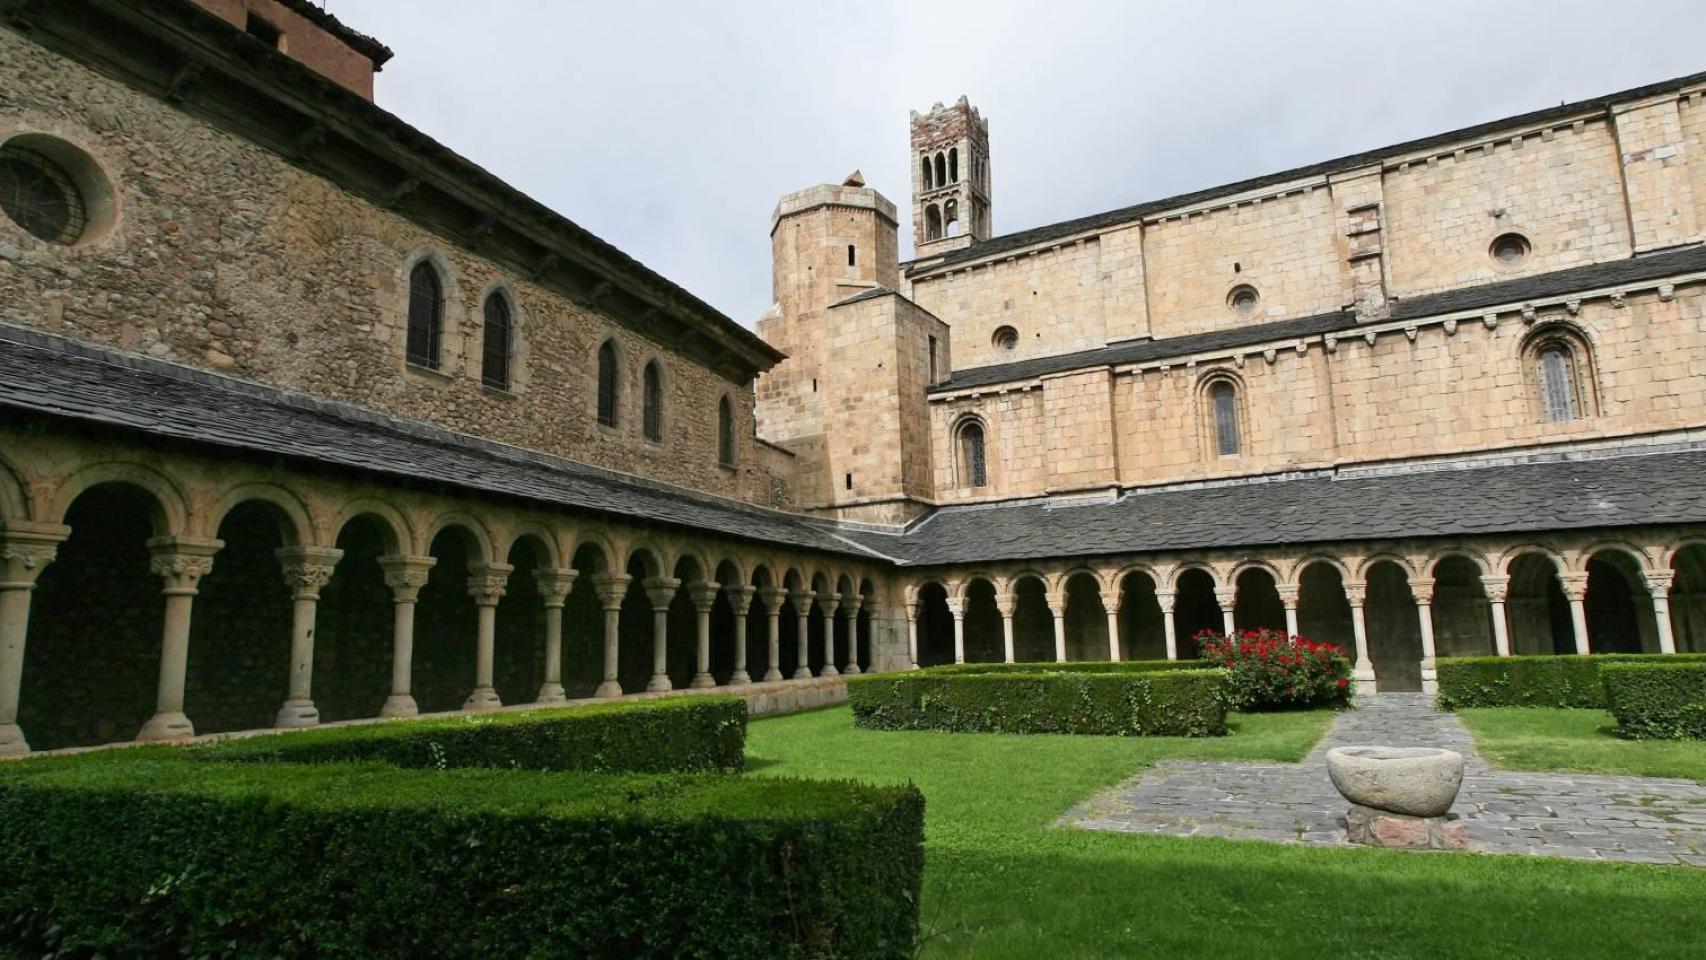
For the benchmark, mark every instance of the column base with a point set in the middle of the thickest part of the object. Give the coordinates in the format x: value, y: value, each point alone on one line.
x: 163, y: 727
x: 829, y: 671
x: 1430, y: 677
x: 297, y: 713
x: 399, y: 705
x: 803, y: 673
x: 702, y: 681
x: 852, y: 669
x: 12, y: 742
x: 659, y: 683
x: 483, y: 698
x: 739, y: 677
x: 772, y: 675
x: 550, y: 693
x: 608, y: 689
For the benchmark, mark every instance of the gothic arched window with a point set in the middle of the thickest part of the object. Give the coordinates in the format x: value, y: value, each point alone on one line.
x: 426, y: 315
x: 974, y: 467
x: 608, y: 392
x: 1223, y: 399
x: 725, y: 433
x: 652, y: 408
x: 495, y: 348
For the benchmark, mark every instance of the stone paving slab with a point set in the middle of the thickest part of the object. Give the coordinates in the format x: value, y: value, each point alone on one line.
x: 1584, y: 816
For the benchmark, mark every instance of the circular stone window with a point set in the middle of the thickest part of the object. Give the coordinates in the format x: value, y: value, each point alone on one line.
x: 53, y: 190
x: 1243, y: 298
x: 1510, y: 250
x: 1006, y: 338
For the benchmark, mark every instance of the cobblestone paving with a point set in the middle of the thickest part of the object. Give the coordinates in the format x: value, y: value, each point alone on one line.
x: 1586, y: 816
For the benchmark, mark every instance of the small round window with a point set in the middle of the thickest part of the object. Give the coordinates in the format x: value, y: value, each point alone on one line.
x: 1510, y: 250
x: 1006, y: 338
x: 53, y: 190
x: 1243, y: 298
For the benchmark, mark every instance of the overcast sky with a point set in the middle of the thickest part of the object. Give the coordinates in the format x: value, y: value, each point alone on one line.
x: 670, y: 128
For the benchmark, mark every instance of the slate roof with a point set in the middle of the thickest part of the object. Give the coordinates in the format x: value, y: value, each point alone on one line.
x: 1610, y: 491
x: 1557, y: 283
x: 44, y: 374
x: 1112, y: 218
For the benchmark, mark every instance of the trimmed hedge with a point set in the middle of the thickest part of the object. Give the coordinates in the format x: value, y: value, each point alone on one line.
x: 1571, y: 680
x: 1657, y: 701
x: 150, y: 853
x: 673, y: 735
x: 1160, y: 702
x: 1073, y: 666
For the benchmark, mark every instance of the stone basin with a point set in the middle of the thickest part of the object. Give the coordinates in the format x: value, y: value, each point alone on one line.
x: 1414, y: 781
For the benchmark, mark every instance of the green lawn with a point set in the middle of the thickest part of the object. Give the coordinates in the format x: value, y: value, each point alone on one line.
x: 1540, y: 738
x: 1001, y: 882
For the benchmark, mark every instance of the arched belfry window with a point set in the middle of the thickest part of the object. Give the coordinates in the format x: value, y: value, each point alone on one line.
x: 974, y: 464
x: 426, y: 315
x: 725, y: 432
x: 1560, y: 370
x: 608, y: 384
x: 932, y: 222
x: 941, y: 170
x: 924, y: 170
x: 652, y: 408
x: 496, y: 342
x: 1223, y: 407
x: 954, y: 165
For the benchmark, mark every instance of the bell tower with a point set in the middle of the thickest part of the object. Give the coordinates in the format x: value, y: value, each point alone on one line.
x: 950, y: 178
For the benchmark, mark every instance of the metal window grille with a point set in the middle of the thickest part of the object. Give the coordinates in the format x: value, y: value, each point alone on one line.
x: 1557, y: 383
x: 39, y: 196
x: 1225, y: 419
x: 971, y: 451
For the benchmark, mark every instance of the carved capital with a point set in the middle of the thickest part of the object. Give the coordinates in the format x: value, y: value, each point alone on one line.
x: 740, y: 598
x: 1356, y: 591
x: 554, y: 584
x: 957, y: 607
x: 772, y: 598
x: 406, y: 575
x: 1006, y: 604
x: 487, y: 582
x: 1225, y: 596
x: 660, y: 592
x: 1287, y: 594
x: 1575, y: 585
x: 307, y: 570
x: 1057, y: 604
x: 1497, y: 588
x: 829, y: 602
x: 704, y: 595
x: 182, y: 561
x: 802, y: 600
x: 1166, y: 599
x: 1423, y: 588
x: 25, y: 551
x: 1658, y: 582
x: 851, y: 603
x: 611, y: 587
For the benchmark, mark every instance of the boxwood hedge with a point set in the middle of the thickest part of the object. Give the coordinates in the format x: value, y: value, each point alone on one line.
x: 672, y: 735
x: 150, y: 853
x: 1657, y: 701
x: 1167, y: 701
x: 1073, y: 666
x: 1535, y: 681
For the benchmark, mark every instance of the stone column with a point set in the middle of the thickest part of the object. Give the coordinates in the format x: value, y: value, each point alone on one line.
x: 180, y: 562
x: 307, y: 570
x: 1497, y: 588
x: 850, y: 605
x: 803, y: 609
x: 25, y: 551
x: 1288, y: 599
x: 1166, y: 599
x: 554, y: 586
x: 1576, y: 590
x: 1355, y: 593
x: 740, y: 600
x: 704, y: 598
x: 773, y: 598
x: 660, y: 591
x: 827, y: 605
x: 611, y: 587
x: 405, y: 576
x: 1424, y: 593
x: 1057, y: 606
x: 1113, y: 610
x: 957, y: 608
x: 1007, y: 603
x: 486, y: 585
x: 1227, y: 599
x: 912, y: 633
x: 1658, y: 586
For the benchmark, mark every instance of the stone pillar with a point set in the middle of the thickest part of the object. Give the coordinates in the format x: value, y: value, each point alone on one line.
x: 25, y: 551
x: 803, y: 609
x: 554, y: 586
x: 827, y: 605
x: 851, y: 605
x: 1288, y: 599
x: 704, y: 598
x: 1007, y: 603
x: 405, y: 576
x: 660, y: 591
x: 773, y: 598
x: 1057, y: 606
x: 307, y: 570
x: 1424, y: 593
x: 1227, y: 598
x: 740, y: 600
x: 1166, y: 599
x: 1576, y: 590
x: 611, y: 587
x: 180, y: 562
x: 1355, y: 593
x: 957, y: 607
x: 1497, y: 588
x: 1658, y: 586
x: 912, y: 633
x: 486, y: 585
x: 1113, y: 610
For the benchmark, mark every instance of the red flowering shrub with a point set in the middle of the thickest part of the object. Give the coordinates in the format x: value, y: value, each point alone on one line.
x: 1268, y: 670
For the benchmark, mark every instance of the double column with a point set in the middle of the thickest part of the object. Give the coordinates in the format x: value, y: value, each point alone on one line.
x: 828, y: 603
x: 803, y: 608
x: 740, y: 601
x: 772, y: 598
x: 180, y: 563
x: 1007, y: 604
x: 1658, y: 586
x: 660, y: 592
x: 1288, y: 599
x: 405, y: 576
x: 1227, y: 599
x: 1423, y: 590
x: 611, y: 588
x: 704, y: 599
x: 1576, y: 591
x: 307, y: 570
x: 25, y: 551
x: 486, y: 584
x: 850, y: 607
x: 554, y: 586
x: 1169, y: 628
x: 1057, y: 608
x: 1356, y: 593
x: 1498, y: 589
x: 957, y: 608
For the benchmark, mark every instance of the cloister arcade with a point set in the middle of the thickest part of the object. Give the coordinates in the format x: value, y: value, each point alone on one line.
x: 159, y: 596
x: 1394, y: 611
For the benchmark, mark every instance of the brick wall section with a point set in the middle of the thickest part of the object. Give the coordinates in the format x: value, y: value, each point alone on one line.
x: 228, y: 258
x: 302, y: 40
